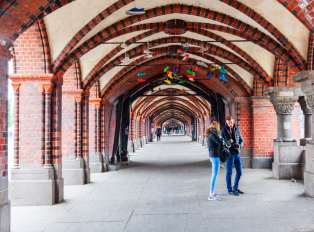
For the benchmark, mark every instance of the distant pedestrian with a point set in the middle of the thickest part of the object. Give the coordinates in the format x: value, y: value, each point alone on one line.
x: 214, y: 144
x: 158, y: 133
x: 233, y: 136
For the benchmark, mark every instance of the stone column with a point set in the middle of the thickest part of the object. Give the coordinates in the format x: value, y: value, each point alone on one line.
x: 306, y: 79
x: 33, y: 177
x: 96, y: 162
x: 307, y: 112
x: 16, y: 89
x: 287, y: 153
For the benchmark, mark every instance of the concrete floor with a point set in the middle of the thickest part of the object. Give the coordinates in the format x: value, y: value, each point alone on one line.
x: 165, y: 188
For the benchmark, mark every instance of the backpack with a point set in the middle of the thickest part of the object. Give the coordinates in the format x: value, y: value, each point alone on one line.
x: 224, y: 150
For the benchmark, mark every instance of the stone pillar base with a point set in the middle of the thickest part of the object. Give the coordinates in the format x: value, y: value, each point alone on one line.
x: 33, y: 187
x: 86, y: 169
x: 303, y: 142
x: 130, y: 146
x: 32, y: 192
x: 73, y: 171
x: 309, y: 183
x: 5, y: 206
x: 135, y: 147
x: 262, y: 162
x: 287, y: 160
x: 96, y: 163
x: 5, y: 217
x: 114, y: 167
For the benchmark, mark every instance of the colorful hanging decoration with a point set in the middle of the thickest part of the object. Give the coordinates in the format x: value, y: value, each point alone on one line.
x: 141, y: 80
x: 141, y: 74
x: 195, y: 69
x: 166, y: 69
x: 186, y: 47
x: 181, y: 81
x: 190, y: 72
x: 124, y: 46
x: 167, y: 81
x: 181, y: 51
x: 183, y: 90
x: 213, y: 68
x: 222, y: 70
x: 209, y: 74
x: 222, y: 77
x: 190, y: 76
x: 169, y: 74
x: 135, y: 11
x: 186, y: 57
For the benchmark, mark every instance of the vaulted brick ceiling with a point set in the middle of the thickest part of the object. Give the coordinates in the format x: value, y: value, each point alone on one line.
x: 76, y: 31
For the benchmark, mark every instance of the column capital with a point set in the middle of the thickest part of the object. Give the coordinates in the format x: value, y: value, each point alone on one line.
x: 39, y: 77
x: 284, y: 98
x: 46, y: 87
x: 86, y: 93
x: 96, y: 101
x: 16, y: 87
x: 304, y: 106
x: 306, y: 79
x: 78, y: 99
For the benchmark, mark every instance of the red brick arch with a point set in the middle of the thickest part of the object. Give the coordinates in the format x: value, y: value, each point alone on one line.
x: 115, y: 29
x: 198, y: 110
x: 140, y: 106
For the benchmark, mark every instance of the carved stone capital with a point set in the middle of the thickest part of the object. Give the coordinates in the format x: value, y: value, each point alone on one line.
x: 304, y: 106
x: 306, y: 79
x: 283, y: 98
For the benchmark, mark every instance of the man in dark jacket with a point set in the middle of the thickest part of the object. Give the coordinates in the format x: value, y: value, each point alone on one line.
x: 158, y: 133
x: 232, y: 135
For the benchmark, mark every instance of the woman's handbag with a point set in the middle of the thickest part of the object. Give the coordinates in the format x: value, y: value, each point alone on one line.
x: 224, y: 150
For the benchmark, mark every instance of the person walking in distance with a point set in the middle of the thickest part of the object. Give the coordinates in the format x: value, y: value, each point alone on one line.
x: 214, y: 144
x: 158, y: 133
x: 232, y: 135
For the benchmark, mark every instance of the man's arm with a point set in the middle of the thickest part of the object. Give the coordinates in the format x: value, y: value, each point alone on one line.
x: 240, y: 139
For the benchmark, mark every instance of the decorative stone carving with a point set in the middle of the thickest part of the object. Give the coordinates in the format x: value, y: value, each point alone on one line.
x: 306, y: 79
x: 284, y: 109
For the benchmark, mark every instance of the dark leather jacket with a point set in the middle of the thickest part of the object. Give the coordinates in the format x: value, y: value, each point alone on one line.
x: 214, y: 144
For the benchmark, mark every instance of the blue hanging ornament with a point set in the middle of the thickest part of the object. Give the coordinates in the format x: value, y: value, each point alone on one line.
x: 222, y: 77
x: 209, y: 74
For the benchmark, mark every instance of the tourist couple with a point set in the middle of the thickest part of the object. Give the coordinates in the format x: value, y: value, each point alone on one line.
x: 230, y: 137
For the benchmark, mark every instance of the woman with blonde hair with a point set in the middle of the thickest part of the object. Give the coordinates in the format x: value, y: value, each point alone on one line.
x: 214, y: 144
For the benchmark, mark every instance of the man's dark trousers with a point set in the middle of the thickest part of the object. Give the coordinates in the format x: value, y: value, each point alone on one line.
x: 158, y: 137
x: 234, y: 160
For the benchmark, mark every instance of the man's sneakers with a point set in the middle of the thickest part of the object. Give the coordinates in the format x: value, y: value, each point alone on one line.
x: 239, y: 191
x: 233, y: 193
x: 214, y: 198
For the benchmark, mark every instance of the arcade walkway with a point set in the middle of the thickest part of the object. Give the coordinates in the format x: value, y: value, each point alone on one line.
x: 165, y: 188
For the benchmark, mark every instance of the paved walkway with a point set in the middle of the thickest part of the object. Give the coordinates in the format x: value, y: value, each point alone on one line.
x: 165, y: 189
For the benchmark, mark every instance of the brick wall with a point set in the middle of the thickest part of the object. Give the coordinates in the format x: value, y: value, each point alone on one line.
x: 31, y: 51
x: 31, y: 124
x: 112, y: 127
x: 244, y: 116
x: 3, y: 118
x: 70, y: 90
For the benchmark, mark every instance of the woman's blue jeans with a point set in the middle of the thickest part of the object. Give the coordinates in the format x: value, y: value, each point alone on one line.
x: 215, y: 170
